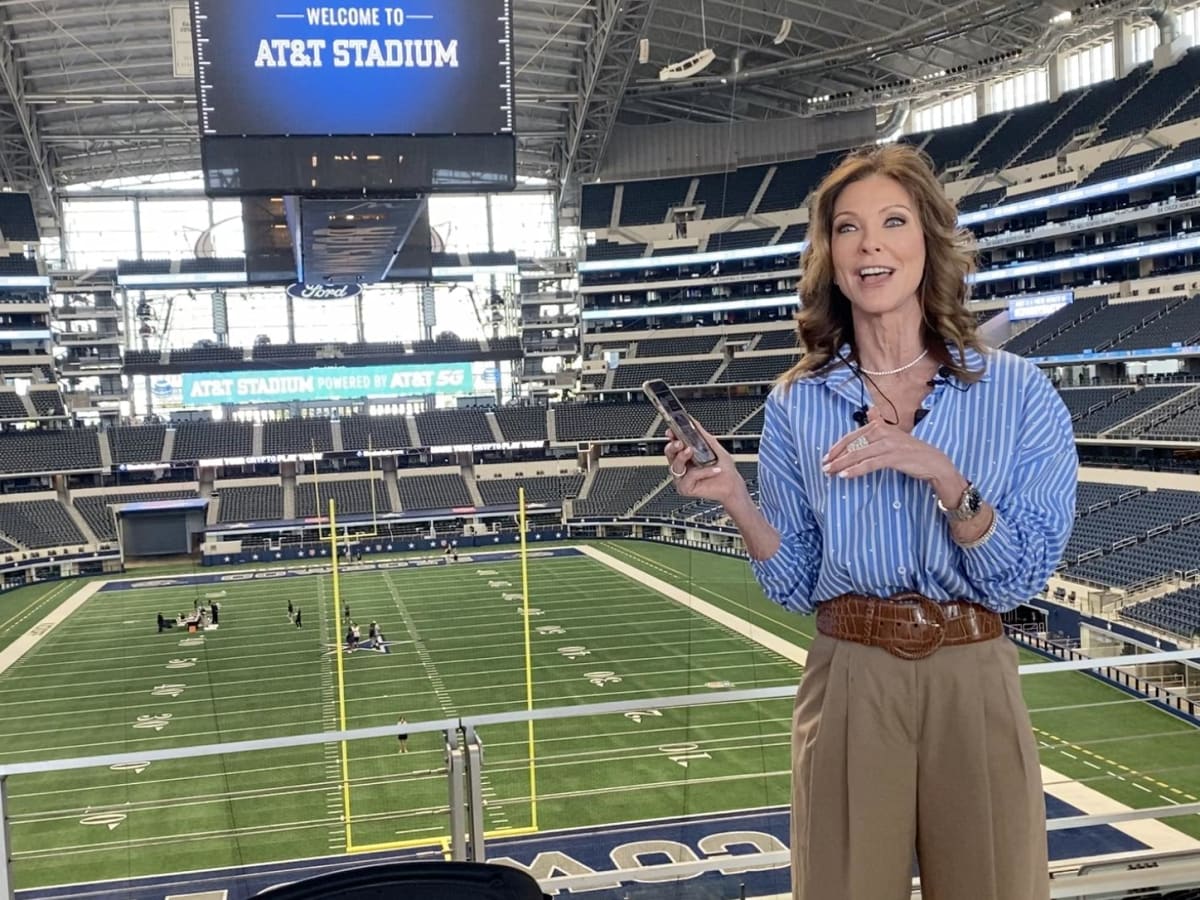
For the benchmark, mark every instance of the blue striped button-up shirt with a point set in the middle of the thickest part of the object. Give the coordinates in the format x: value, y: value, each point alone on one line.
x: 1010, y: 434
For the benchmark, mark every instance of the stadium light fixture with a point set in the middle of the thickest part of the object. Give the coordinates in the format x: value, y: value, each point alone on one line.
x: 697, y: 62
x: 686, y: 68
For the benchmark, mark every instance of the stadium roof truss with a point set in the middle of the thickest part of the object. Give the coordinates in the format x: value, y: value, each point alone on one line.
x: 89, y: 91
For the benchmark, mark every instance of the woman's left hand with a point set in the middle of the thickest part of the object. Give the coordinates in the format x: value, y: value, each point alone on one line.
x: 891, y: 447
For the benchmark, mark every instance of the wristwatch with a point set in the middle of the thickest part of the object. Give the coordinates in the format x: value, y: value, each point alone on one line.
x: 968, y: 507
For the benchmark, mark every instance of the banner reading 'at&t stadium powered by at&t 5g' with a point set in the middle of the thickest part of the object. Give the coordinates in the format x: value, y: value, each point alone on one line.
x: 331, y: 383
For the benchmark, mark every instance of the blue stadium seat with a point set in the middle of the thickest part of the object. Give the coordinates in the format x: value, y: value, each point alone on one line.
x: 1161, y: 93
x: 793, y: 181
x: 597, y: 205
x: 737, y: 240
x: 1087, y: 108
x: 18, y: 223
x: 649, y: 202
x: 603, y: 249
x: 726, y: 194
x: 1124, y: 166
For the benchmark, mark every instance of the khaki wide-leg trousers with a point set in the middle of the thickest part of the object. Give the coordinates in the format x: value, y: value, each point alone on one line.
x: 936, y: 757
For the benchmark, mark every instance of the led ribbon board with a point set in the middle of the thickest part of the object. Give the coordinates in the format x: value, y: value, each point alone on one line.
x: 282, y: 67
x: 1038, y: 306
x: 326, y: 383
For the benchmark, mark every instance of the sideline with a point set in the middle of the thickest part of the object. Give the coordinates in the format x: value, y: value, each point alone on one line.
x: 759, y: 635
x: 26, y: 642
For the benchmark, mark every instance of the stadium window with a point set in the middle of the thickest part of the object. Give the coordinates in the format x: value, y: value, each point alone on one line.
x: 462, y: 222
x: 191, y: 314
x: 1071, y: 77
x: 52, y: 252
x: 227, y: 235
x: 1189, y: 23
x: 164, y: 181
x: 1019, y: 90
x: 1090, y: 65
x: 524, y: 223
x: 253, y: 312
x: 388, y: 311
x: 956, y: 111
x: 1145, y: 39
x: 571, y: 240
x: 327, y: 321
x: 97, y: 233
x: 171, y: 228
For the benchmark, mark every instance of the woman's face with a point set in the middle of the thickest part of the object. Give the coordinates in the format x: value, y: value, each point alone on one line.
x: 878, y: 246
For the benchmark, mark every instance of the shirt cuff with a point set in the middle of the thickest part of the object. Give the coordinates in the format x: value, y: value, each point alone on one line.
x: 995, y: 556
x: 778, y: 575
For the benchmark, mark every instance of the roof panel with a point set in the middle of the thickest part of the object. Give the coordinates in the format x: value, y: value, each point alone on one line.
x: 98, y: 80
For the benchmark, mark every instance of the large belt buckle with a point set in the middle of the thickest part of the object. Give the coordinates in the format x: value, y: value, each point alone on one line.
x: 931, y: 627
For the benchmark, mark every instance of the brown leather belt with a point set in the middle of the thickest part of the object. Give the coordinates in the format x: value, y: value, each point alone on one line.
x: 907, y: 625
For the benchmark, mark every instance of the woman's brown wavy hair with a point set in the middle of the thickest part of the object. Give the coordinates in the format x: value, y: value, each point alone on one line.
x: 824, y: 322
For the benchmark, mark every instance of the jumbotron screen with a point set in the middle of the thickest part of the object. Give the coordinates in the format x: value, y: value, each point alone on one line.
x: 284, y: 67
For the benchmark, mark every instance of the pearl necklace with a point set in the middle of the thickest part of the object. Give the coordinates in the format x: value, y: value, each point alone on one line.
x: 904, y: 368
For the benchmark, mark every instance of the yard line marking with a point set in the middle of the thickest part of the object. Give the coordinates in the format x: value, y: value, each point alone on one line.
x: 662, y: 567
x: 334, y: 776
x: 22, y: 614
x: 703, y: 608
x: 427, y: 662
x: 26, y: 642
x: 1114, y: 764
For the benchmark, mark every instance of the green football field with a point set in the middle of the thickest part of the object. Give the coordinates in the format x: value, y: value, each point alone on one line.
x: 103, y: 681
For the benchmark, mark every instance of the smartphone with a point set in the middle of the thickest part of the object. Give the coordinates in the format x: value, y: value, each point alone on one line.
x: 672, y: 410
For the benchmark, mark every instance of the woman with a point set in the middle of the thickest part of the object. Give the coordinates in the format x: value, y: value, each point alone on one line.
x: 914, y: 485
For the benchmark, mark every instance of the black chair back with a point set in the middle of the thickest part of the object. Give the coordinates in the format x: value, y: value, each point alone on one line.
x: 414, y: 881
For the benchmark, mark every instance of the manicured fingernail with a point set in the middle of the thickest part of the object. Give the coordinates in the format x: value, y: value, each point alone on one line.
x: 717, y: 470
x: 843, y: 475
x: 825, y: 468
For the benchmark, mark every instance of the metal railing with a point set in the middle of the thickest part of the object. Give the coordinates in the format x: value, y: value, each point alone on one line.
x: 465, y: 771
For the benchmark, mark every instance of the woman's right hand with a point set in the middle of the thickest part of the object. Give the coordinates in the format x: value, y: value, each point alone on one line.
x: 721, y: 483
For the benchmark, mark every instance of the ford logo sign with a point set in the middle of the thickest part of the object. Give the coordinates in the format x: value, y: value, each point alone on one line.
x: 324, y: 291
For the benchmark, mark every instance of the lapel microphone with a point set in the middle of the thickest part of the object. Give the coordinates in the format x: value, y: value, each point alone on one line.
x: 860, y: 414
x: 945, y: 375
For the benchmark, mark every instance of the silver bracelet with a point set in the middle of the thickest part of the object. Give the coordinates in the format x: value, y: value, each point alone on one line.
x: 983, y: 538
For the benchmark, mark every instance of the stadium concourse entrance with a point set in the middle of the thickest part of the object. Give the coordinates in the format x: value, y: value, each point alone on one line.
x: 159, y: 528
